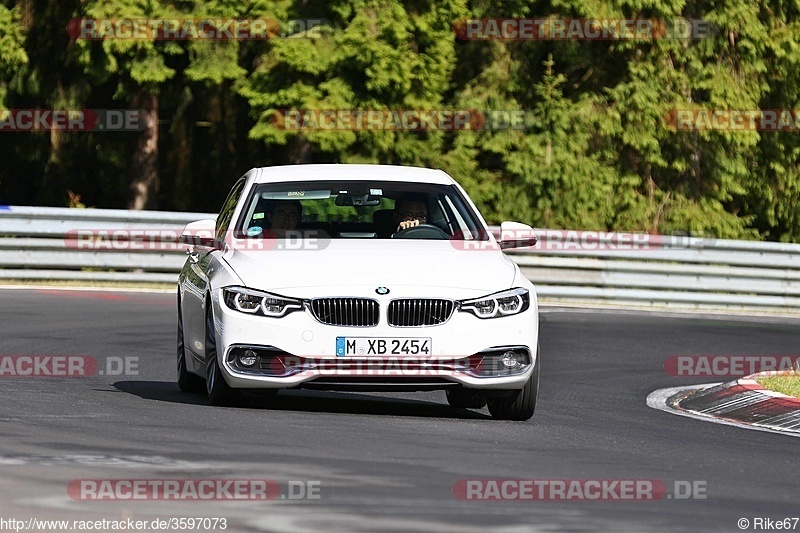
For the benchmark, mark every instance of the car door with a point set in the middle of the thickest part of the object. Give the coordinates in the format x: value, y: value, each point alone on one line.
x: 196, y: 283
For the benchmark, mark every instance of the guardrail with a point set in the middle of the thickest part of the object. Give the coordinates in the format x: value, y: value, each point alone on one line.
x: 566, y: 266
x: 34, y: 244
x: 664, y: 271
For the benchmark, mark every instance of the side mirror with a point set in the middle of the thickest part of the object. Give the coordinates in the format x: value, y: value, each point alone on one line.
x: 200, y: 233
x: 516, y: 235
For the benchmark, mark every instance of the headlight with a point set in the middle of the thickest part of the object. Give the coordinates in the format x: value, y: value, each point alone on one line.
x: 504, y: 303
x: 259, y: 303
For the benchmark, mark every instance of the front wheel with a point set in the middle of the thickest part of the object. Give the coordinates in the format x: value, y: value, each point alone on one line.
x: 219, y: 392
x: 521, y: 405
x: 187, y: 382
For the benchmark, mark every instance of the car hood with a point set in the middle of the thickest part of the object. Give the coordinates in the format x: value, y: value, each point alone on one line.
x: 340, y: 263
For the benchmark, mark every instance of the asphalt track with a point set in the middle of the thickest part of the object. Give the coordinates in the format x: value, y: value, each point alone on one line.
x: 384, y: 462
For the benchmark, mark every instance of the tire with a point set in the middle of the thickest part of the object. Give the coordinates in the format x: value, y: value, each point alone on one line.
x: 219, y: 392
x: 465, y: 398
x: 521, y: 405
x: 187, y: 382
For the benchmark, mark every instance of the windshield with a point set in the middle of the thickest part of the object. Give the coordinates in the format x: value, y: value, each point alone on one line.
x: 358, y: 210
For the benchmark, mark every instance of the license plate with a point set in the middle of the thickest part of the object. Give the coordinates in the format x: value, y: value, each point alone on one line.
x: 383, y: 346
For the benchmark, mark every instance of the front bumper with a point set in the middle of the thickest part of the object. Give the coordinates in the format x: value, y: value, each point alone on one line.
x: 304, y: 351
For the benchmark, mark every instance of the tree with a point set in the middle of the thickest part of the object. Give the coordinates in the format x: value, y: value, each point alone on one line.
x: 138, y: 69
x: 597, y: 150
x: 12, y: 50
x: 379, y: 55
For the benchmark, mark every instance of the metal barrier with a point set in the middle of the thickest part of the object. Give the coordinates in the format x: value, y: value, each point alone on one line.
x: 566, y: 266
x: 47, y: 243
x: 569, y: 266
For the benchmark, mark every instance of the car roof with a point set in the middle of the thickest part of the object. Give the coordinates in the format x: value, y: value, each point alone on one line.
x: 347, y: 172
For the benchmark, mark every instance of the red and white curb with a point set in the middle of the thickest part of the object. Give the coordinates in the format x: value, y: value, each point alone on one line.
x: 741, y: 403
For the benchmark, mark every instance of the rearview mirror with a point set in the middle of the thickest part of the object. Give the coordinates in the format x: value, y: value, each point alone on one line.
x: 358, y: 200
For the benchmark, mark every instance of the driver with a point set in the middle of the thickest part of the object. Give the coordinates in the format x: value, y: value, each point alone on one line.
x: 410, y: 211
x: 284, y: 216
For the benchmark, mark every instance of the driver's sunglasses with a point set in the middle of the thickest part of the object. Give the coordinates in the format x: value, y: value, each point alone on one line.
x: 405, y: 215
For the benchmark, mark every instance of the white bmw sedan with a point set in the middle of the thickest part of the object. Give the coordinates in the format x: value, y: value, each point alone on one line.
x: 357, y: 277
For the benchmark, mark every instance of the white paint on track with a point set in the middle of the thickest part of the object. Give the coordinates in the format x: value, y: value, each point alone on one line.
x: 114, y: 461
x: 693, y: 314
x: 658, y: 400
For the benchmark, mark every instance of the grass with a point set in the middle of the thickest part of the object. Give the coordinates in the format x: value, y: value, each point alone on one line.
x: 788, y: 383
